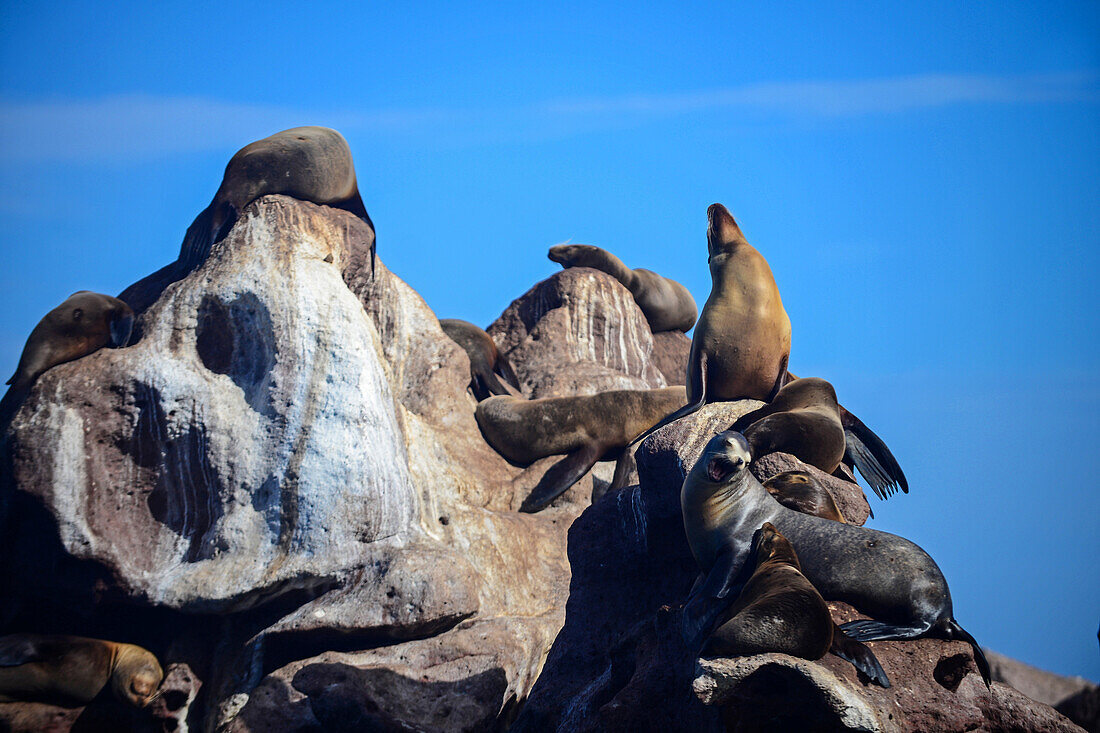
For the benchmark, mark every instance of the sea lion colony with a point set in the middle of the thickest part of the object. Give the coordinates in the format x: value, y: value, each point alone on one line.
x: 740, y: 349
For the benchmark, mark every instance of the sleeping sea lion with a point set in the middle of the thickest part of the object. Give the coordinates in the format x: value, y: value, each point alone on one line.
x: 586, y: 428
x: 486, y: 361
x: 70, y: 671
x: 800, y: 491
x: 307, y: 163
x: 780, y: 611
x: 742, y: 341
x: 882, y: 575
x: 666, y: 304
x: 84, y: 323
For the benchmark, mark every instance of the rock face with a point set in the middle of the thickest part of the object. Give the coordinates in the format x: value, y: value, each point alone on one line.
x: 282, y: 492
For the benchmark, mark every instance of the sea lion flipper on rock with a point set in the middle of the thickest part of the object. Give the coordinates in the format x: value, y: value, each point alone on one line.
x: 871, y: 457
x: 711, y: 597
x: 559, y: 477
x: 17, y: 650
x: 871, y: 630
x: 504, y: 368
x: 624, y: 465
x: 860, y: 657
x: 687, y: 409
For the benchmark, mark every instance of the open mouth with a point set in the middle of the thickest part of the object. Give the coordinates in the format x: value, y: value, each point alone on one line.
x: 721, y: 468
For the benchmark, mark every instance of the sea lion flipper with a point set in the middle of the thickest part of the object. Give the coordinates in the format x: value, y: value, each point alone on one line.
x: 687, y: 409
x: 859, y: 655
x: 504, y: 367
x: 624, y: 465
x: 710, y: 598
x: 871, y: 630
x: 559, y: 477
x: 871, y: 456
x: 16, y: 650
x: 958, y: 632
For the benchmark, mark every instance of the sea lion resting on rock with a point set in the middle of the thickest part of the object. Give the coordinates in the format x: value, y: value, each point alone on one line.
x: 882, y: 575
x: 486, y: 361
x: 742, y: 342
x: 800, y: 491
x: 586, y: 428
x: 806, y: 421
x: 70, y: 671
x: 666, y: 304
x: 84, y: 323
x: 780, y: 611
x: 307, y: 163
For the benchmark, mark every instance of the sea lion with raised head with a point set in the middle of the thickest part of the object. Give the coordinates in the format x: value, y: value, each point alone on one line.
x: 83, y: 324
x: 780, y: 611
x: 586, y: 428
x: 486, y: 361
x: 883, y: 576
x: 307, y: 163
x: 665, y: 303
x: 742, y: 341
x: 70, y: 671
x: 806, y: 421
x: 802, y: 492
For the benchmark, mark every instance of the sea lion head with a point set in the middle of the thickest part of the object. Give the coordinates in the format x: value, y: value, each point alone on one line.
x: 797, y: 480
x: 136, y: 675
x: 769, y: 545
x: 724, y: 461
x: 723, y: 234
x: 572, y: 255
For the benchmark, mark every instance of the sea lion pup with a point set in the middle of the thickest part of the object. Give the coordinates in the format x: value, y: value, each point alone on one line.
x: 882, y: 575
x: 586, y: 428
x: 780, y: 611
x: 806, y: 421
x: 486, y: 361
x: 70, y: 671
x: 307, y: 163
x: 84, y: 323
x: 802, y: 492
x: 742, y: 341
x: 666, y: 304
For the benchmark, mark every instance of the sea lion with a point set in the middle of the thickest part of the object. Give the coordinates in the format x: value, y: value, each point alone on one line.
x: 586, y: 428
x: 307, y: 163
x: 486, y: 361
x: 84, y: 323
x: 884, y: 576
x: 780, y: 611
x: 70, y: 671
x: 806, y: 421
x: 800, y: 491
x: 665, y: 303
x: 742, y: 341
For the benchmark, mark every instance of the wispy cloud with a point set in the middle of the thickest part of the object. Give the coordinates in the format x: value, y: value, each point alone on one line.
x: 126, y: 128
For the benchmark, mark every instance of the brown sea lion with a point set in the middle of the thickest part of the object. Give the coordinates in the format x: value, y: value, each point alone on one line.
x: 70, y: 671
x: 884, y: 576
x: 800, y: 491
x: 586, y: 428
x: 666, y: 304
x: 780, y: 611
x: 486, y: 361
x: 84, y: 323
x: 307, y: 163
x: 742, y: 341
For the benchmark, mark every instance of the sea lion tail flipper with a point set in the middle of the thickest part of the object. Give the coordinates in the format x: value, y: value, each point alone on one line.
x: 624, y: 465
x: 871, y: 456
x: 782, y: 378
x: 504, y: 367
x: 490, y: 384
x: 480, y: 389
x: 860, y: 656
x: 871, y: 630
x: 710, y: 598
x: 683, y: 411
x: 559, y: 477
x: 16, y: 650
x: 957, y: 632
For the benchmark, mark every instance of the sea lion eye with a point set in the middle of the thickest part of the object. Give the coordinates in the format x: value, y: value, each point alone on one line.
x: 77, y: 314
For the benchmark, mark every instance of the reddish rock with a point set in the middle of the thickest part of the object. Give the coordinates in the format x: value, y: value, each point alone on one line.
x: 670, y: 355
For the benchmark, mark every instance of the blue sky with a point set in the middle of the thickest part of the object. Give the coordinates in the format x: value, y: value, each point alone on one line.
x: 923, y: 179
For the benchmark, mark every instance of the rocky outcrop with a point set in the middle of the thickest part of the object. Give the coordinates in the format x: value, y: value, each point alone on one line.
x: 281, y: 490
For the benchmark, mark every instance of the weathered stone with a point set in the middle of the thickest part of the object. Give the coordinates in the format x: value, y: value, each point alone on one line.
x: 671, y: 350
x: 178, y: 690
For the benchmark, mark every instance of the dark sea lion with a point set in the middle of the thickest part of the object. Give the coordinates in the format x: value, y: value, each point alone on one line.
x: 83, y: 324
x: 70, y: 671
x: 780, y: 611
x: 800, y: 491
x: 742, y: 341
x: 883, y: 576
x: 806, y: 421
x: 586, y: 428
x: 666, y: 304
x: 307, y: 163
x: 486, y: 361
